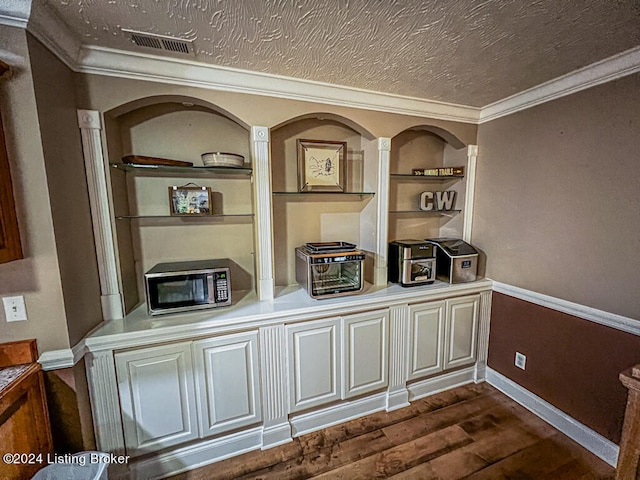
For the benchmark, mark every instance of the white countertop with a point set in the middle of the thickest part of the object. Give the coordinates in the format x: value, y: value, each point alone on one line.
x: 290, y: 304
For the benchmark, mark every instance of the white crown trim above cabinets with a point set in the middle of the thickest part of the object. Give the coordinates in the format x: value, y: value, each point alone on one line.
x: 133, y: 65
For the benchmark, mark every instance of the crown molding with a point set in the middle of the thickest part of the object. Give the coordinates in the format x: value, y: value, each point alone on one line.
x: 133, y: 65
x: 15, y: 13
x: 53, y: 33
x: 607, y: 70
x: 49, y: 29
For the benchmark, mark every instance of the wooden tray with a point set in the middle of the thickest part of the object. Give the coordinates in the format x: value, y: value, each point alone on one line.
x: 155, y: 161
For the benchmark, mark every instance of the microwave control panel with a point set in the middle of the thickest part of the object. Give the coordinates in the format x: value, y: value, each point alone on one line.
x: 221, y: 287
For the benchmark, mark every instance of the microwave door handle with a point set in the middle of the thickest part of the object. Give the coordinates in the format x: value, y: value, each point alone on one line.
x: 210, y: 290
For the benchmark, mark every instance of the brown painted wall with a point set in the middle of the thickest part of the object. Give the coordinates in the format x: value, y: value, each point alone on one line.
x: 571, y: 363
x: 558, y: 198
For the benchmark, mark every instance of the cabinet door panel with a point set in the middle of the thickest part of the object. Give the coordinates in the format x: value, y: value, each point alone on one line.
x: 365, y: 353
x: 462, y: 327
x: 226, y: 372
x: 314, y: 363
x: 426, y: 349
x: 157, y: 397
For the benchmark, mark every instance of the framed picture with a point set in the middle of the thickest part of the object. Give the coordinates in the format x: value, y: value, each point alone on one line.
x: 189, y: 200
x: 321, y: 165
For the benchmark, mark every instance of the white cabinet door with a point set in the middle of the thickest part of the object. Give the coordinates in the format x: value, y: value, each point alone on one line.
x: 227, y: 382
x: 462, y: 328
x: 426, y: 347
x: 314, y: 363
x: 157, y: 397
x: 365, y: 338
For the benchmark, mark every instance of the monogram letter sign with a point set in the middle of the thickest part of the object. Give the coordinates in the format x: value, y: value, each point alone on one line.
x: 437, y: 201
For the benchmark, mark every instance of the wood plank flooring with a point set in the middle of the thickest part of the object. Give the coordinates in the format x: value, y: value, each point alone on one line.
x: 471, y: 432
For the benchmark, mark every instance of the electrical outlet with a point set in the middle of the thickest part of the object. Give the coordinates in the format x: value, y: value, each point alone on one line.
x: 14, y: 308
x: 521, y: 360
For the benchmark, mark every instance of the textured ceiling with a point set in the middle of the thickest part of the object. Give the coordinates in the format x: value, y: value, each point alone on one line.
x: 467, y: 52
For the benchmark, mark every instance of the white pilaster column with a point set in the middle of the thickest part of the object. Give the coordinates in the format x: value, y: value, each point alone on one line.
x: 398, y: 395
x: 483, y: 335
x: 472, y: 155
x: 382, y: 194
x: 90, y: 127
x: 105, y: 403
x: 262, y: 209
x: 275, y: 381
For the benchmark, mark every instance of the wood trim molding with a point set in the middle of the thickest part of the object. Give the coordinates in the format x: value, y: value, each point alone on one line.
x: 96, y: 171
x: 591, y: 440
x: 103, y: 61
x: 607, y: 70
x: 262, y: 208
x: 382, y: 199
x: 619, y: 322
x: 470, y: 191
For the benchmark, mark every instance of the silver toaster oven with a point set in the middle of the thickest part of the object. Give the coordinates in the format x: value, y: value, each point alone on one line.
x: 330, y: 269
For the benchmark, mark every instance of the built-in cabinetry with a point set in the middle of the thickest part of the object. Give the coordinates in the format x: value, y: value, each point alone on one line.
x: 191, y: 388
x: 337, y: 358
x: 442, y: 335
x: 195, y: 389
x: 170, y: 394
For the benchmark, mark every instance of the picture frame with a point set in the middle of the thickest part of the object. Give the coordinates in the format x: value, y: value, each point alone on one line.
x: 321, y: 165
x: 189, y: 201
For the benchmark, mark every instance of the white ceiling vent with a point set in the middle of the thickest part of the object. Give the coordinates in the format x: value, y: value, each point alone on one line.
x: 161, y: 42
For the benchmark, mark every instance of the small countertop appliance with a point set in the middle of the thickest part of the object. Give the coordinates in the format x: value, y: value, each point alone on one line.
x: 330, y: 269
x: 456, y: 260
x: 411, y: 262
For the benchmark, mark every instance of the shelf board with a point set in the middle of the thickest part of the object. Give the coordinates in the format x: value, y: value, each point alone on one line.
x: 190, y: 217
x: 426, y: 212
x: 324, y: 193
x: 435, y: 178
x: 186, y: 171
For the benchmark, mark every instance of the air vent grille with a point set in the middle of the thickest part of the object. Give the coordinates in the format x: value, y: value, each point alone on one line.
x: 159, y: 42
x: 144, y: 41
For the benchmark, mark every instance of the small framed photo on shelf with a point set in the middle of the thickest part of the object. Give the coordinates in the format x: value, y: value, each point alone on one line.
x: 189, y: 200
x: 321, y: 165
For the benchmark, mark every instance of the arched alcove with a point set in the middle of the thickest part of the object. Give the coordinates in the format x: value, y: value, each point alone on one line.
x: 148, y: 232
x: 301, y: 217
x: 417, y: 148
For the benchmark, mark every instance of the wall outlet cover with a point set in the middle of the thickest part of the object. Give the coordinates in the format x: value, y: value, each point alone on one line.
x: 14, y: 308
x: 521, y: 360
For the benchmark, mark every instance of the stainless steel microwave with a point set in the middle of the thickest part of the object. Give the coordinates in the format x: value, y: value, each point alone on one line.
x: 184, y: 286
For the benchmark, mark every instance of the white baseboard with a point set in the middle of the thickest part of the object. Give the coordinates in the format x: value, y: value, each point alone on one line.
x: 398, y: 399
x: 335, y: 414
x: 276, y: 435
x: 580, y: 433
x: 194, y: 456
x: 441, y: 383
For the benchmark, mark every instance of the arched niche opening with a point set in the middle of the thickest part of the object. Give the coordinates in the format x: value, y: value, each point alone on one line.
x: 300, y: 217
x: 174, y: 127
x: 178, y: 128
x: 425, y: 147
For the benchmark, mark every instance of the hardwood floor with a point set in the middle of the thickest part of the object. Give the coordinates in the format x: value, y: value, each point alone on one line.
x: 471, y: 432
